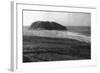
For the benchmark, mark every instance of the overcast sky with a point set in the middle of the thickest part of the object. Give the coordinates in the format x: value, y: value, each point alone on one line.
x: 64, y: 18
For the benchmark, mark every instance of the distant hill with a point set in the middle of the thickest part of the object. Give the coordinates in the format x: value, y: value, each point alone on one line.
x: 47, y: 25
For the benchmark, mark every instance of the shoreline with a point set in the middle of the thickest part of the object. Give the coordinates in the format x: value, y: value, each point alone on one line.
x: 57, y: 34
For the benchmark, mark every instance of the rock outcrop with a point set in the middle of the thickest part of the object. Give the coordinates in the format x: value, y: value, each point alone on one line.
x: 46, y: 25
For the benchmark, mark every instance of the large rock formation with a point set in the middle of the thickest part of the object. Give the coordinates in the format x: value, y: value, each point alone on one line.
x: 46, y: 25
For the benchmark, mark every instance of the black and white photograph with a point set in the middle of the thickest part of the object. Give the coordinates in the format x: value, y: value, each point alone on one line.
x: 49, y: 35
x: 52, y: 36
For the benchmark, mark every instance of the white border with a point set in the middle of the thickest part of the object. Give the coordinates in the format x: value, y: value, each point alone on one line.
x: 17, y: 64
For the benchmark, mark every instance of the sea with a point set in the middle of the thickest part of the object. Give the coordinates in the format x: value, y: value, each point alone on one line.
x: 85, y: 30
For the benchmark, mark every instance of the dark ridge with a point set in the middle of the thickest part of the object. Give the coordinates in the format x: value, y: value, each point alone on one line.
x: 46, y: 25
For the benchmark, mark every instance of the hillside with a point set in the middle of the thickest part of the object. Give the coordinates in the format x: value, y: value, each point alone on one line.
x: 47, y: 25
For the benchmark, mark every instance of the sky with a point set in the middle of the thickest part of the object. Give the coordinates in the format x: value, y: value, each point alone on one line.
x: 64, y: 18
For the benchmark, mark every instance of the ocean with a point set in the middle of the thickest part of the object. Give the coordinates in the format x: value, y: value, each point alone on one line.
x: 85, y: 30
